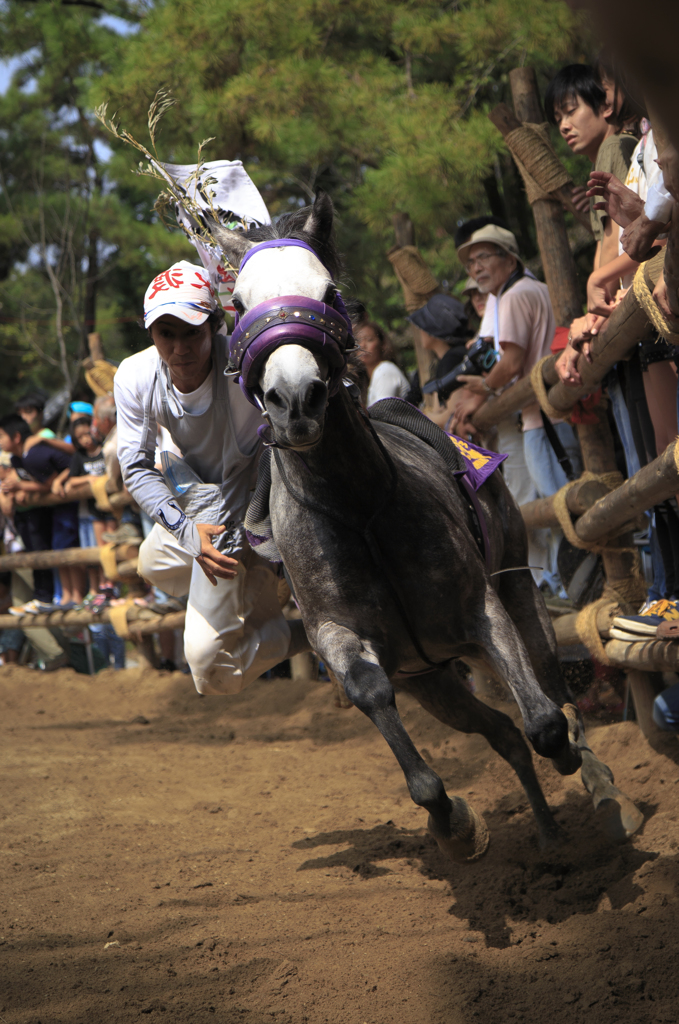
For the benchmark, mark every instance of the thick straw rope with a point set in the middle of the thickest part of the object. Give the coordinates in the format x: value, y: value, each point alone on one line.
x: 118, y: 618
x: 562, y: 512
x: 540, y: 389
x: 644, y: 297
x: 415, y: 277
x: 107, y: 557
x: 100, y: 494
x: 541, y: 169
x: 587, y: 629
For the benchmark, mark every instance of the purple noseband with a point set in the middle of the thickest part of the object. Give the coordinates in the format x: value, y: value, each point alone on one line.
x: 288, y: 319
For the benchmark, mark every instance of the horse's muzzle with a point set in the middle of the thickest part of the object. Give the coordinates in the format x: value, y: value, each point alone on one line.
x: 296, y: 412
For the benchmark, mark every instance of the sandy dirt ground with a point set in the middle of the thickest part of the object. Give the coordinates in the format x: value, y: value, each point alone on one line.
x: 257, y: 858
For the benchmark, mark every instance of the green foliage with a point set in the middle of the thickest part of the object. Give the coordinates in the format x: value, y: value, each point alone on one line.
x: 382, y: 104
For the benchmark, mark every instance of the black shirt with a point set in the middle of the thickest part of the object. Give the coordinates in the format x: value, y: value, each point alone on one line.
x: 41, y: 462
x: 84, y: 464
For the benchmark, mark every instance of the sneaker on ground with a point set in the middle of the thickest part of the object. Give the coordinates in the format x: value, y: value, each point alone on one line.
x: 31, y: 608
x: 126, y: 533
x: 648, y: 620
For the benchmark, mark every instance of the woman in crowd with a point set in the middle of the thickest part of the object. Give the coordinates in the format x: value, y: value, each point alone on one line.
x: 386, y: 380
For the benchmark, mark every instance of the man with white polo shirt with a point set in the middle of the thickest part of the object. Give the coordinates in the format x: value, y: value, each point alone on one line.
x: 234, y: 627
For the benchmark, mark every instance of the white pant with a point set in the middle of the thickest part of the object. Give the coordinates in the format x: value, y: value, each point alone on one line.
x: 233, y: 632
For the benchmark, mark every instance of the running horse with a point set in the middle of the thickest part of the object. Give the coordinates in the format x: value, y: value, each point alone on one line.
x: 381, y: 545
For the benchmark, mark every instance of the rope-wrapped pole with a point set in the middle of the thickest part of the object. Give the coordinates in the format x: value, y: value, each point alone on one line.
x: 67, y: 556
x: 140, y: 620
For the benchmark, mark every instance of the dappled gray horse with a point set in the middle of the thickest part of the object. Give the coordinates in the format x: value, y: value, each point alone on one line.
x: 378, y: 542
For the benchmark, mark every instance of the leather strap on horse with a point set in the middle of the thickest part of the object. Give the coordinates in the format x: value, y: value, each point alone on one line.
x: 100, y: 494
x: 540, y: 388
x: 644, y: 297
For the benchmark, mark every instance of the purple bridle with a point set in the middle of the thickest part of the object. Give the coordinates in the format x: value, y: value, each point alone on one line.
x: 284, y: 320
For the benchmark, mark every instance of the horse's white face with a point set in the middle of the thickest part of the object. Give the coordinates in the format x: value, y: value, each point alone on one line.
x: 285, y: 271
x: 293, y: 379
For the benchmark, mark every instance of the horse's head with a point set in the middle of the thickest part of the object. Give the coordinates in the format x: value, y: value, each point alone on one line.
x: 290, y: 341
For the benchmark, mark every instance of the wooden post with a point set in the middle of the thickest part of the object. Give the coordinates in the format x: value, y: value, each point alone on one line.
x: 644, y: 691
x: 555, y: 250
x: 404, y: 233
x: 404, y: 229
x: 95, y: 346
x: 653, y: 484
x: 580, y: 498
x: 596, y: 444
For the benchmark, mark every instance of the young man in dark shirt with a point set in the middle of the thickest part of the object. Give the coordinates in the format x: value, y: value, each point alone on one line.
x: 41, y: 528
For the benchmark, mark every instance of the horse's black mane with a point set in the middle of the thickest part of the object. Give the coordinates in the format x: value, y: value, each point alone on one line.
x: 291, y: 225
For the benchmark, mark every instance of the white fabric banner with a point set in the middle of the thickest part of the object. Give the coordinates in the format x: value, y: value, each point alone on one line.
x: 237, y: 200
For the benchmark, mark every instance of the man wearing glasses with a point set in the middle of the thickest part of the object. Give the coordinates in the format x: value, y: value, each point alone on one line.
x: 523, y: 331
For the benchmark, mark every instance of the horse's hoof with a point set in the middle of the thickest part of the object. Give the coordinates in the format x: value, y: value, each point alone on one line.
x: 617, y: 816
x: 469, y: 836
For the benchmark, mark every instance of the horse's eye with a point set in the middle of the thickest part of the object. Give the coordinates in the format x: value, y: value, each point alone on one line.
x: 329, y: 296
x: 238, y: 306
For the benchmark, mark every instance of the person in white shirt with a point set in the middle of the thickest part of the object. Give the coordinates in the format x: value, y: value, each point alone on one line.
x: 386, y: 380
x: 234, y: 628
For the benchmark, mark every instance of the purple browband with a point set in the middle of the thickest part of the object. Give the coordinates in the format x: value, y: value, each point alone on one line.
x: 278, y: 243
x: 289, y: 319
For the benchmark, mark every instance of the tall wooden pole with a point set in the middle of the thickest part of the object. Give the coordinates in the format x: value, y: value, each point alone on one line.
x: 404, y: 232
x: 555, y: 251
x: 596, y: 444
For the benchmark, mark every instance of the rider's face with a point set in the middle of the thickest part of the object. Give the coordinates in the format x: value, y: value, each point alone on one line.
x: 186, y: 348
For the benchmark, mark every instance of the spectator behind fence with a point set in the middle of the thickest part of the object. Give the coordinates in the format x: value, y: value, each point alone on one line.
x: 31, y: 408
x: 444, y: 333
x: 88, y: 462
x: 386, y: 380
x: 525, y: 332
x: 40, y: 528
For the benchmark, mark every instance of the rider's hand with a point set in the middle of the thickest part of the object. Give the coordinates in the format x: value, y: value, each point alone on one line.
x: 212, y: 562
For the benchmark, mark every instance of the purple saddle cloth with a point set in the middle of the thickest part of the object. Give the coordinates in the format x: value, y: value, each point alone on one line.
x: 480, y: 462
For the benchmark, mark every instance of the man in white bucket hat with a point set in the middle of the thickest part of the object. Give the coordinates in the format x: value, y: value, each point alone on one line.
x: 523, y: 330
x: 234, y: 627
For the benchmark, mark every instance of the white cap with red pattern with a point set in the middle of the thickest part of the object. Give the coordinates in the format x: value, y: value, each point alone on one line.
x: 184, y: 291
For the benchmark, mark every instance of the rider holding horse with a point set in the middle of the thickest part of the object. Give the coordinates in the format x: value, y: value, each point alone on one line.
x: 234, y: 629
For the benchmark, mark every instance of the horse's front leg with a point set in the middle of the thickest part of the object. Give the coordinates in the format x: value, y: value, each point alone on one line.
x: 523, y: 602
x: 458, y: 830
x: 489, y: 626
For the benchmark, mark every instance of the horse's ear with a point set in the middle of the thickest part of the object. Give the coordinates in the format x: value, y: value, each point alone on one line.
x: 319, y: 222
x: 233, y: 244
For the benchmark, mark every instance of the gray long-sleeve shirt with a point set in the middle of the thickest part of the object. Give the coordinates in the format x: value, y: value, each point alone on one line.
x: 221, y: 445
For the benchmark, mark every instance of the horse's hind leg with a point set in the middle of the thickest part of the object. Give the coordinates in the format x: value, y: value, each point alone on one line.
x: 458, y: 830
x: 445, y: 697
x: 523, y: 602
